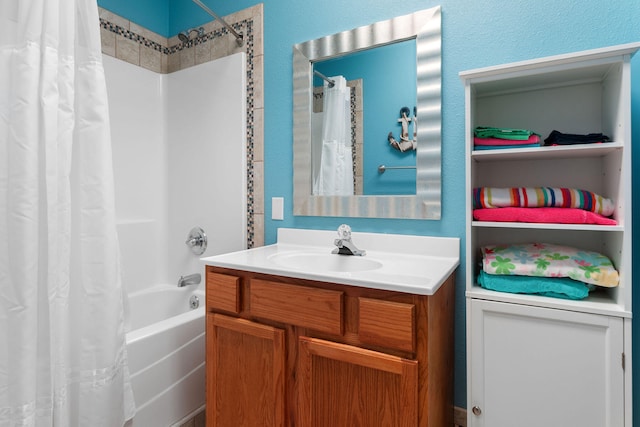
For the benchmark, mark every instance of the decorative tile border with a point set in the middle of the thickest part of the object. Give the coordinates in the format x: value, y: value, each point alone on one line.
x: 129, y: 42
x: 128, y: 34
x: 248, y: 39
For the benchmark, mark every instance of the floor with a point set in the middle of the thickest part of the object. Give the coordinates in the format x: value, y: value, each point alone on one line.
x: 460, y: 419
x: 196, y: 421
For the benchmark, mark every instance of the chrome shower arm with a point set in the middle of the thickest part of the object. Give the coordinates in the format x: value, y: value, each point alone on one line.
x: 239, y: 37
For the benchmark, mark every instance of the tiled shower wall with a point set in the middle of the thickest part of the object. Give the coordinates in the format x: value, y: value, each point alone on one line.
x: 132, y: 43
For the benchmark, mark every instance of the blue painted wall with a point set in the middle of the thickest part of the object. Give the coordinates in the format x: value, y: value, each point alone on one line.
x: 151, y: 14
x: 475, y: 34
x: 388, y: 84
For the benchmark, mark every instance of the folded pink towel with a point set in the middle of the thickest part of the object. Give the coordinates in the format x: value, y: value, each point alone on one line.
x: 497, y: 141
x: 542, y: 215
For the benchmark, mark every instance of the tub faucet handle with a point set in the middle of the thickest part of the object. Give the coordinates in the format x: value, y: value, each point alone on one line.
x: 194, y: 241
x: 197, y: 240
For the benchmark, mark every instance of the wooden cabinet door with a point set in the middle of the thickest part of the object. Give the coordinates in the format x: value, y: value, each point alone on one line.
x: 342, y: 385
x: 245, y: 373
x: 532, y: 367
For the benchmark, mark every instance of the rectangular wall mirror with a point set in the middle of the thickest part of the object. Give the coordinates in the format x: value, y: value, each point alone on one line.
x: 367, y: 120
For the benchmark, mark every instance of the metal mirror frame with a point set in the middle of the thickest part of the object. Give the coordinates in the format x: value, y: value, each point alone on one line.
x: 425, y: 27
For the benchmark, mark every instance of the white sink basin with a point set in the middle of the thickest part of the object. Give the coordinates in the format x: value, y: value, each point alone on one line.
x: 314, y: 261
x: 401, y: 263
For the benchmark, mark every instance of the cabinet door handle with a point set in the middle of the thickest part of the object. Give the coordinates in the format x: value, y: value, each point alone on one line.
x: 476, y: 410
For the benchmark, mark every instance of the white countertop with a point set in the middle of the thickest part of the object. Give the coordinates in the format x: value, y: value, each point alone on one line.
x: 403, y: 263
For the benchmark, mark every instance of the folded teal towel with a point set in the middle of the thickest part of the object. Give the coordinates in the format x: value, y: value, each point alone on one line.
x: 557, y: 287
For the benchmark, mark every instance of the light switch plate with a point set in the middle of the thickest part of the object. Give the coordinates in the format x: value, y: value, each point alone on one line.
x: 277, y: 208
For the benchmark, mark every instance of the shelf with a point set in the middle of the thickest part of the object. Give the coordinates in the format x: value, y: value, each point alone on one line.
x: 599, y: 302
x: 553, y: 70
x: 546, y: 226
x: 575, y: 93
x: 545, y: 153
x: 580, y: 93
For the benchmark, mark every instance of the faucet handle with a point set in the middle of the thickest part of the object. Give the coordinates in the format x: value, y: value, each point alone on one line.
x: 344, y: 232
x: 197, y: 240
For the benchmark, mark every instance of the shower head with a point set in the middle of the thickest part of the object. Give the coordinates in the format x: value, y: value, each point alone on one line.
x: 185, y: 36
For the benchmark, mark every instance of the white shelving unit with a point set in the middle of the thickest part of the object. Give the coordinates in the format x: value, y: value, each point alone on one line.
x: 579, y: 93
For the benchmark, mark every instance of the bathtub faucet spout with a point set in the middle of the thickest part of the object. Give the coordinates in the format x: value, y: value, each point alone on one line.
x: 191, y: 279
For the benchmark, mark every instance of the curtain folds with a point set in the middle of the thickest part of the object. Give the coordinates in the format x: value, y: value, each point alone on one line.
x: 335, y: 177
x: 63, y: 357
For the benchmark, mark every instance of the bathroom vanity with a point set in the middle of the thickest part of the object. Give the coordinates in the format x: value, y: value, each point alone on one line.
x: 342, y: 340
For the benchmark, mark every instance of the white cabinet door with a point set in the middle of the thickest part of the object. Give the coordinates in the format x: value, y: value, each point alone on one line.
x: 532, y: 366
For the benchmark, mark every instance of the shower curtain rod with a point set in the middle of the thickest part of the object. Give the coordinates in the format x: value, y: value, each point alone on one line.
x: 239, y: 37
x: 332, y: 83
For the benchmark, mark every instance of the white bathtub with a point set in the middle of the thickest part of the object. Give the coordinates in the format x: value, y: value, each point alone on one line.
x: 166, y: 349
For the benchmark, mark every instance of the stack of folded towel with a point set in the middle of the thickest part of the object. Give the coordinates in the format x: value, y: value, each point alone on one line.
x: 490, y: 138
x: 559, y: 138
x: 545, y: 269
x: 542, y: 205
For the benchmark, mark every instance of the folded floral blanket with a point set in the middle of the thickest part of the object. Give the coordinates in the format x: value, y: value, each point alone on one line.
x: 549, y: 260
x: 538, y: 197
x: 542, y: 215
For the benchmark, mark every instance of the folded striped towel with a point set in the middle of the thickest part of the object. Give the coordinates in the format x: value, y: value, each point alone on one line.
x: 538, y: 197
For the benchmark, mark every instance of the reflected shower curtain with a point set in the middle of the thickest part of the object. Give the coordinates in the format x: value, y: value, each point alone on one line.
x: 335, y: 177
x: 62, y: 351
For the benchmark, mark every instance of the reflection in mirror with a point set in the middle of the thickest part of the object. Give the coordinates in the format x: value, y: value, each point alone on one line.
x: 382, y: 71
x: 382, y: 82
x: 333, y: 150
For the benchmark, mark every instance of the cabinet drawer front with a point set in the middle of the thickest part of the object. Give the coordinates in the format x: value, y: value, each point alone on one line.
x: 313, y: 308
x: 385, y: 323
x: 223, y: 292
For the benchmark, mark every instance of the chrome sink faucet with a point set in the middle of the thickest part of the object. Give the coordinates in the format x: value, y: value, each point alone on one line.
x: 344, y: 244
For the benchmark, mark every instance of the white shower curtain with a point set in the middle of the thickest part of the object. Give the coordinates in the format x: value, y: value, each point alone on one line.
x: 62, y: 351
x: 335, y: 177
